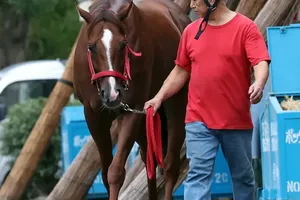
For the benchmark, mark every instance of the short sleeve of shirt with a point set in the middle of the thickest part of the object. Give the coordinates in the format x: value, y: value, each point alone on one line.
x: 256, y: 48
x: 182, y: 59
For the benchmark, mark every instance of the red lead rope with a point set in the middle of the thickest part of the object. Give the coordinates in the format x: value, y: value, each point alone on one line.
x: 154, y: 147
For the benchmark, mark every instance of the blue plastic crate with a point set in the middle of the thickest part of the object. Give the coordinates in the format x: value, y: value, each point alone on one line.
x: 265, y: 138
x: 280, y: 128
x: 283, y: 44
x: 75, y: 134
x: 285, y: 148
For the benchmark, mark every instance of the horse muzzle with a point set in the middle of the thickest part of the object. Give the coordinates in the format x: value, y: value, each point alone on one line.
x: 110, y: 92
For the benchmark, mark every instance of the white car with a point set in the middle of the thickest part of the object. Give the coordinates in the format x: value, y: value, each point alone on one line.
x: 20, y: 82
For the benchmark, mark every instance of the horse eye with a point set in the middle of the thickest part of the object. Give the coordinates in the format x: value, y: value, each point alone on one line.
x: 122, y: 46
x: 92, y: 48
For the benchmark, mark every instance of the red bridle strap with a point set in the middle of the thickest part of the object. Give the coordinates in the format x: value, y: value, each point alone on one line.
x: 102, y: 74
x: 124, y: 77
x: 127, y: 62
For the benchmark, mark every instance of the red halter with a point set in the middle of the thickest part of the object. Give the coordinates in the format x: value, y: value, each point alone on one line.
x: 126, y: 74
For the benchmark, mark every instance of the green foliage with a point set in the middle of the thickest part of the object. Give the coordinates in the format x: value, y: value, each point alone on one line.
x: 21, y: 120
x: 53, y: 26
x: 53, y: 32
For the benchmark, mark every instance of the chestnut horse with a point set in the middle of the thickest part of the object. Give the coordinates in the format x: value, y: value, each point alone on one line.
x: 124, y: 52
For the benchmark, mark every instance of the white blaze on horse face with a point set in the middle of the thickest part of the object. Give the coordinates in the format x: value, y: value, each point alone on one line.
x: 106, y: 40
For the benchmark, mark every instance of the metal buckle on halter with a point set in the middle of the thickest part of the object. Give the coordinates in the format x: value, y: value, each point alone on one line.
x: 126, y: 82
x: 125, y: 106
x: 128, y: 109
x: 126, y: 85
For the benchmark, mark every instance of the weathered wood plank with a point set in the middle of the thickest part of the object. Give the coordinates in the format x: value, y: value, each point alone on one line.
x: 232, y: 4
x: 277, y: 12
x: 250, y: 8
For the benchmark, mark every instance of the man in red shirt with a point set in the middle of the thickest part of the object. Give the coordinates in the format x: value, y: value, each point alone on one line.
x: 217, y: 57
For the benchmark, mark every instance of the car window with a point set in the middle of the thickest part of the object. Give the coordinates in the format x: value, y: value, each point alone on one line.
x: 22, y: 91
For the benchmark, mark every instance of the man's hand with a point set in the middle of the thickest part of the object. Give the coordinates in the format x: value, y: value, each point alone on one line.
x: 256, y: 93
x: 155, y: 103
x: 261, y: 74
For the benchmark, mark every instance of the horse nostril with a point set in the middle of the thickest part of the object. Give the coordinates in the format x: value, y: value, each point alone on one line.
x: 102, y: 93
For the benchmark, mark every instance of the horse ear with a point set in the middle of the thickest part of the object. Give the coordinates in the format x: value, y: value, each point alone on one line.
x: 84, y: 14
x: 125, y: 11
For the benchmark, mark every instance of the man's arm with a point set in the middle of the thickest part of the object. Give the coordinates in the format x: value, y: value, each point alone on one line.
x: 174, y: 82
x: 259, y: 58
x: 261, y: 73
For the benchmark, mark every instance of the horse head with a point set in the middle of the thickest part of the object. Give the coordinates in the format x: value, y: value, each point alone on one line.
x: 108, y: 50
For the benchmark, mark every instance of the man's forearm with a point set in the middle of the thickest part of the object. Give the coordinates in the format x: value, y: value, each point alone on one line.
x: 174, y: 82
x: 261, y: 73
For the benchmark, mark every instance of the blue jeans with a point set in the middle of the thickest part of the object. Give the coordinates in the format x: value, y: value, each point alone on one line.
x: 202, y: 145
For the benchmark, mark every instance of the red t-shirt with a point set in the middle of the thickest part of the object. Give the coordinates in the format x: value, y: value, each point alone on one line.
x: 220, y: 63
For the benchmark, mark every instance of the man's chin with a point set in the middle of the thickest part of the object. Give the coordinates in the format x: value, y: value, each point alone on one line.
x: 200, y: 15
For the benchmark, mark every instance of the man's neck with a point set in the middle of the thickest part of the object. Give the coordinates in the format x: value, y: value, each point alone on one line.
x: 220, y: 16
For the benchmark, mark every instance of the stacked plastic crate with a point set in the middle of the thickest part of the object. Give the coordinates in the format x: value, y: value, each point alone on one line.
x: 280, y: 129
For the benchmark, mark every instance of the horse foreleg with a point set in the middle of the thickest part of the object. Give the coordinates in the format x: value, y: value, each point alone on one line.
x: 126, y: 139
x: 99, y: 127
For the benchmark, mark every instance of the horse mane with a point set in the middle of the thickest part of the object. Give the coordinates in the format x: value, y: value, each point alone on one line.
x: 100, y: 11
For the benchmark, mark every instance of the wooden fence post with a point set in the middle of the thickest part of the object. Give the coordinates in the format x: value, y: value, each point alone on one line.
x: 250, y: 8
